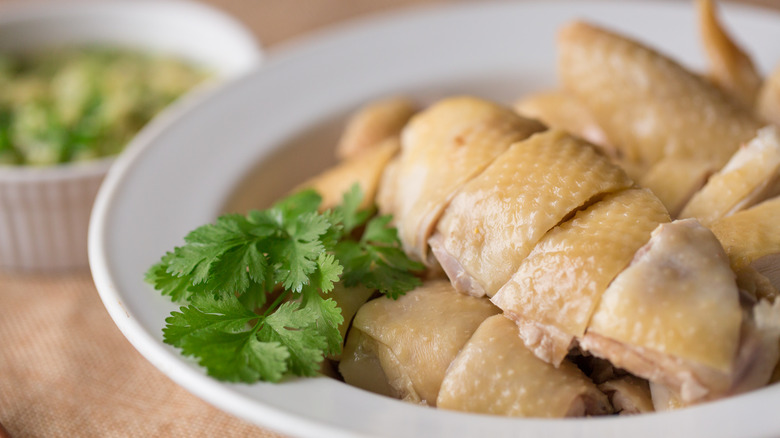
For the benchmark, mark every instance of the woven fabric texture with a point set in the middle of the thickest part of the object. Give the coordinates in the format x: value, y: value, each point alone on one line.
x: 67, y: 371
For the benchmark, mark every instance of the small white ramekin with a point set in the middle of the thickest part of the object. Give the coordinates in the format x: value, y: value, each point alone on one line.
x: 44, y: 212
x: 44, y: 215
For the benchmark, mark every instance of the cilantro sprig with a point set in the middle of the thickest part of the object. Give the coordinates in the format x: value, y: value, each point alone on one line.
x: 292, y: 255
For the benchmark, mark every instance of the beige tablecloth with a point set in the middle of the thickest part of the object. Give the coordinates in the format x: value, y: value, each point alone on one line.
x: 66, y: 370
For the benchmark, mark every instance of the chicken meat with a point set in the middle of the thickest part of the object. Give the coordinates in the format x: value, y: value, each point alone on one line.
x: 495, y: 374
x: 373, y: 124
x: 673, y: 316
x: 751, y: 176
x: 496, y: 219
x: 729, y: 66
x: 555, y: 290
x: 443, y: 148
x: 402, y: 348
x: 751, y: 238
x: 647, y: 104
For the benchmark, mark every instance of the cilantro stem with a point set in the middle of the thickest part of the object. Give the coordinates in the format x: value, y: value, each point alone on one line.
x: 276, y: 303
x: 270, y: 309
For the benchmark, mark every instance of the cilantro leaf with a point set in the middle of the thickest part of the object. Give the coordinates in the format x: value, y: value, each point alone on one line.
x: 328, y: 272
x: 349, y: 211
x: 178, y: 288
x: 378, y: 232
x: 327, y: 322
x: 225, y: 255
x: 305, y: 201
x: 296, y: 254
x: 227, y: 270
x: 255, y: 296
x: 217, y: 331
x: 377, y: 260
x: 294, y: 327
x: 203, y: 316
x: 237, y: 267
x: 207, y: 244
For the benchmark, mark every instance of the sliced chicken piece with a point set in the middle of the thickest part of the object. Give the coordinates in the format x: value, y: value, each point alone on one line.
x: 628, y: 395
x: 495, y: 374
x: 633, y: 170
x: 755, y: 285
x: 363, y: 364
x: 373, y: 124
x: 759, y: 349
x: 755, y: 362
x: 558, y: 109
x: 402, y: 348
x: 442, y: 148
x: 768, y: 105
x: 675, y: 180
x: 349, y: 300
x: 751, y: 238
x: 555, y: 291
x: 387, y: 203
x: 328, y: 369
x: 364, y: 169
x: 664, y: 399
x: 647, y: 104
x: 673, y: 316
x: 388, y: 189
x: 495, y: 220
x: 730, y: 67
x: 751, y: 176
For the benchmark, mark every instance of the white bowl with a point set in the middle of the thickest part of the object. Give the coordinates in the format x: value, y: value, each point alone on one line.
x: 281, y: 123
x: 44, y: 212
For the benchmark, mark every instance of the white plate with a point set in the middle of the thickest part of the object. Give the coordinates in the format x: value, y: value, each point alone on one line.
x: 285, y: 117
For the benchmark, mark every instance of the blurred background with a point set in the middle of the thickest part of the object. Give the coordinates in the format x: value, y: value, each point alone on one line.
x: 274, y: 21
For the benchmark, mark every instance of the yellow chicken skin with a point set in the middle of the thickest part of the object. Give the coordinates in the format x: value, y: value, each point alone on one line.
x: 387, y: 192
x: 373, y: 124
x: 673, y: 316
x: 751, y: 176
x: 730, y: 67
x: 751, y: 238
x: 555, y: 291
x: 365, y: 169
x: 497, y: 218
x: 755, y: 285
x: 558, y: 109
x: 407, y: 344
x: 676, y: 180
x: 755, y: 363
x: 495, y: 374
x: 442, y: 148
x: 648, y: 105
x: 349, y: 300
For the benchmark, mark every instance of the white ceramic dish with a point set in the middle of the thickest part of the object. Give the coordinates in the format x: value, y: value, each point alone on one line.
x: 286, y: 116
x: 44, y: 212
